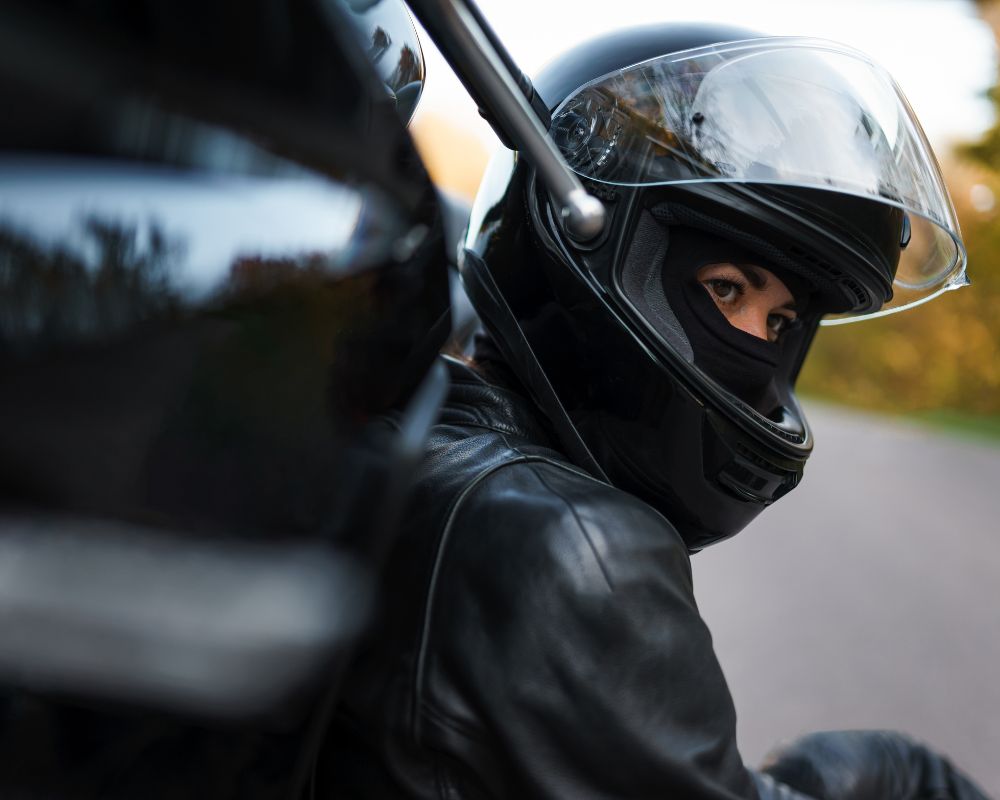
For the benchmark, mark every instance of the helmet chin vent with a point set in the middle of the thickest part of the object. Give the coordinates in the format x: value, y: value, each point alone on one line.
x: 753, y: 478
x: 742, y: 471
x: 859, y: 294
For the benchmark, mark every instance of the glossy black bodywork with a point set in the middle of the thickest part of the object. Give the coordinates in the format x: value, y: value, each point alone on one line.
x: 221, y: 261
x: 222, y: 256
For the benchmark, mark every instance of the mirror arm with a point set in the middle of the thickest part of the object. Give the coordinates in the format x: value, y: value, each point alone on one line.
x: 493, y: 80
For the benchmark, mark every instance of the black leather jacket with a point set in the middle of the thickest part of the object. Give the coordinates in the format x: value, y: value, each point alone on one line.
x: 539, y: 639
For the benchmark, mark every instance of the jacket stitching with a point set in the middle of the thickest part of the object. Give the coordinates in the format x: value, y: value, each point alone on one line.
x: 431, y: 589
x: 440, y: 546
x: 576, y: 517
x: 515, y: 448
x: 579, y: 522
x: 438, y: 717
x: 482, y: 425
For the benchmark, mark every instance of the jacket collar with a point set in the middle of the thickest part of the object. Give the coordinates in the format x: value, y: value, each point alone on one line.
x: 490, y: 402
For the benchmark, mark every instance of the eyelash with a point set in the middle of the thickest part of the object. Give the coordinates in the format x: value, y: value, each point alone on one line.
x: 716, y: 283
x: 721, y: 285
x: 787, y: 324
x: 782, y: 323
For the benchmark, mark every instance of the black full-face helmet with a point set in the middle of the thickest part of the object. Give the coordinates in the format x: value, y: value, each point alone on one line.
x: 707, y: 144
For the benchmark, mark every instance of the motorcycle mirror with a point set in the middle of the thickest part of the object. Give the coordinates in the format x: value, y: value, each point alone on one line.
x: 389, y: 39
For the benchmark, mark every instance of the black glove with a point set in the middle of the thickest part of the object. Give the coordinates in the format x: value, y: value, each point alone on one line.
x: 867, y: 765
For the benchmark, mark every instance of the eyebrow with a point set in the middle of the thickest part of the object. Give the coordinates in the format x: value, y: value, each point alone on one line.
x: 758, y: 281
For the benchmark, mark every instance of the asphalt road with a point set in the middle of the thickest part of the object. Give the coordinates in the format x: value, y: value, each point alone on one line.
x: 870, y: 596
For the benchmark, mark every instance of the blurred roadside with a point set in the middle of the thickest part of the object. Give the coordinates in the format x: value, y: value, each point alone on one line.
x: 890, y: 552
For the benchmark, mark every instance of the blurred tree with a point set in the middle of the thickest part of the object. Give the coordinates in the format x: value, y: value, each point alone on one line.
x: 987, y: 150
x: 946, y: 354
x: 455, y: 157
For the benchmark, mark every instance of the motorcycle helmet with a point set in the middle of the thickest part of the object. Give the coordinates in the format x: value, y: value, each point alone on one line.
x: 707, y: 144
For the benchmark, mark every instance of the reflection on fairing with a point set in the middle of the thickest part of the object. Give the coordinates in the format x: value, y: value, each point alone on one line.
x: 93, y: 248
x: 220, y: 262
x: 211, y: 330
x: 213, y: 271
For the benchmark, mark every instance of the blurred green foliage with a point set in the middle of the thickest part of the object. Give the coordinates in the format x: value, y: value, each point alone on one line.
x: 987, y: 150
x: 945, y: 354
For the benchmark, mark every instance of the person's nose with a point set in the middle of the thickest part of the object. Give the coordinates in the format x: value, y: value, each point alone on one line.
x: 753, y: 321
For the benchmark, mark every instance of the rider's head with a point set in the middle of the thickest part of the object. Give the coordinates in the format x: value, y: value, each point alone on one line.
x: 752, y: 186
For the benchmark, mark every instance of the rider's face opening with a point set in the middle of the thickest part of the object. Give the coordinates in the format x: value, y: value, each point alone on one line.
x: 750, y: 297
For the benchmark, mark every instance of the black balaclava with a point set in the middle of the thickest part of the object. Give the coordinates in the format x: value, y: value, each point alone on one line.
x: 741, y: 362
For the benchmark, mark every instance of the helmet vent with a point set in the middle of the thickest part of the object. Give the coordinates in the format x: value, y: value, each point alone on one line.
x: 752, y: 477
x: 759, y: 461
x: 781, y: 480
x: 859, y: 294
x: 801, y: 254
x: 792, y: 258
x: 856, y: 291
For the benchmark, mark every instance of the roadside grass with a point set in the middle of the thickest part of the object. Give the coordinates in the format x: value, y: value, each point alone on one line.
x: 982, y: 428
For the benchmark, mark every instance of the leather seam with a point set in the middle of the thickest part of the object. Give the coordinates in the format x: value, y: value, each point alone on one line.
x: 580, y: 525
x: 441, y: 544
x: 439, y: 548
x: 467, y: 417
x: 437, y: 717
x: 485, y: 427
x: 526, y: 457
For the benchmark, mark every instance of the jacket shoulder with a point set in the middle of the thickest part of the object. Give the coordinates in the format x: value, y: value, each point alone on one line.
x: 558, y: 599
x: 539, y: 513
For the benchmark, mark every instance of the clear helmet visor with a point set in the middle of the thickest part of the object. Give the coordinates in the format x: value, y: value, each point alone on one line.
x: 773, y: 111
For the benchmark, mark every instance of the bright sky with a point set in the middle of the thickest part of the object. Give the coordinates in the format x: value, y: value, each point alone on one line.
x: 939, y: 51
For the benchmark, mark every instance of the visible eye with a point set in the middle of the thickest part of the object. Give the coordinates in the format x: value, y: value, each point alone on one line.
x: 725, y: 290
x: 777, y: 324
